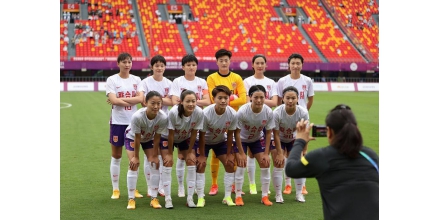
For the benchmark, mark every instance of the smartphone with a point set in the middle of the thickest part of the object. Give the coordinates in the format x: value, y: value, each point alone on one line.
x: 319, y: 131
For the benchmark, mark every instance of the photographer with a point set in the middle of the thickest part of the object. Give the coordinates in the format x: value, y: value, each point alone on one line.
x: 346, y: 171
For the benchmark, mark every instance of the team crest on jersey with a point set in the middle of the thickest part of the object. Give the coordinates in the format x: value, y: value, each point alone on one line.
x: 304, y: 87
x: 115, y: 138
x: 264, y: 122
x: 167, y: 90
x: 227, y: 124
x: 165, y: 143
x: 199, y: 88
x: 193, y: 124
x: 156, y: 127
x: 268, y: 87
x: 135, y: 86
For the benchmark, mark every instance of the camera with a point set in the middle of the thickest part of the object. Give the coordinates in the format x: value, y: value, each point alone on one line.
x: 319, y: 131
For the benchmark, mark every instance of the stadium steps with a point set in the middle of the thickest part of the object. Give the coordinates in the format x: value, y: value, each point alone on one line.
x: 184, y: 38
x: 300, y: 11
x: 141, y: 33
x: 163, y: 12
x: 281, y: 14
x: 71, y: 51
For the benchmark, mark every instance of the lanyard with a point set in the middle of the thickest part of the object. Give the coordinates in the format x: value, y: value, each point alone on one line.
x: 369, y: 159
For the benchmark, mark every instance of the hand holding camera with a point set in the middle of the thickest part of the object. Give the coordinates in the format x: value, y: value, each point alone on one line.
x: 303, y: 131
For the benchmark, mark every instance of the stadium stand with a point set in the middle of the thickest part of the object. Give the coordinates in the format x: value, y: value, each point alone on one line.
x: 246, y: 27
x: 118, y: 26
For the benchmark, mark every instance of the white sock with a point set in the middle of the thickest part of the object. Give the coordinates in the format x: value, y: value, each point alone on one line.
x: 304, y: 181
x: 200, y: 184
x: 166, y: 180
x: 299, y: 182
x: 180, y: 171
x: 278, y: 179
x: 147, y: 173
x: 239, y: 176
x: 160, y: 172
x: 131, y: 182
x: 251, y: 169
x: 228, y: 180
x: 287, y: 180
x: 154, y: 181
x: 191, y: 180
x: 115, y: 168
x: 265, y: 180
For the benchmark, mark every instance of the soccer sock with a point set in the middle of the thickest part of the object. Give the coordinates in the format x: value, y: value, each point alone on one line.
x: 287, y: 179
x: 278, y: 179
x: 239, y: 176
x: 160, y: 172
x: 166, y: 180
x: 304, y: 181
x: 191, y: 180
x: 298, y: 184
x: 200, y: 181
x: 265, y: 180
x: 115, y: 168
x: 132, y: 176
x: 180, y: 171
x: 147, y: 173
x: 154, y: 181
x: 251, y: 169
x: 215, y: 165
x: 228, y: 180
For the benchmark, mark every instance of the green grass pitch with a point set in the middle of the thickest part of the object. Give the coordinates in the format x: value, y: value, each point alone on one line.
x: 85, y: 186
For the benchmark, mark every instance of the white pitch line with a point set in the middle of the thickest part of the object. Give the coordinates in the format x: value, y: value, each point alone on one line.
x: 65, y: 105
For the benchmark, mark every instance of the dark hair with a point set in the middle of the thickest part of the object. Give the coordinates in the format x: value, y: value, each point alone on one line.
x: 189, y: 58
x: 221, y: 88
x: 151, y: 94
x: 297, y: 56
x: 184, y: 93
x: 290, y: 88
x: 124, y: 56
x: 223, y: 52
x: 255, y: 57
x: 158, y: 58
x: 256, y: 88
x: 348, y: 139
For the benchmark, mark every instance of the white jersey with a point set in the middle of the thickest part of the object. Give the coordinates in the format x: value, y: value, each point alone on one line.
x: 122, y: 88
x: 183, y: 126
x: 252, y: 124
x: 197, y: 86
x: 140, y: 124
x: 304, y: 85
x: 286, y: 124
x: 216, y: 126
x: 269, y: 84
x: 162, y: 87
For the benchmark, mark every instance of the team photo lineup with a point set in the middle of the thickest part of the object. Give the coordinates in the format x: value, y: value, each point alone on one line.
x: 239, y: 122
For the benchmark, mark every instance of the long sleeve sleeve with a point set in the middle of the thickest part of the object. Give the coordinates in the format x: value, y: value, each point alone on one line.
x: 313, y: 164
x: 241, y: 90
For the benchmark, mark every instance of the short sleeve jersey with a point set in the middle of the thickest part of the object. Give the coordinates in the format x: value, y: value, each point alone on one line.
x: 304, y: 85
x: 183, y: 126
x: 162, y: 87
x: 216, y: 125
x: 140, y: 124
x: 122, y: 88
x: 286, y: 124
x: 198, y: 86
x: 267, y: 83
x: 252, y: 124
